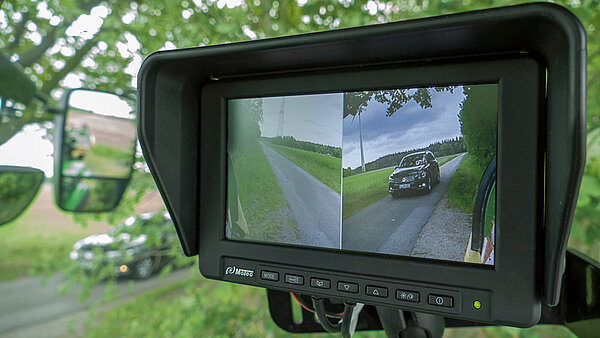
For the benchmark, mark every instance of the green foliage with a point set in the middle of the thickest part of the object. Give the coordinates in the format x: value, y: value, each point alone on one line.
x: 324, y: 168
x: 196, y: 307
x: 291, y: 142
x: 478, y: 119
x: 585, y: 233
x: 356, y: 102
x: 463, y: 184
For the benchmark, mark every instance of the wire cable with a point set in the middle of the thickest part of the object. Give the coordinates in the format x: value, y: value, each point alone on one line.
x: 319, y: 305
x: 346, y: 320
x: 308, y: 307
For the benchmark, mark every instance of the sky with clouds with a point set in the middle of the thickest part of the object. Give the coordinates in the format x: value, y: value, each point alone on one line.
x: 409, y: 128
x: 314, y: 118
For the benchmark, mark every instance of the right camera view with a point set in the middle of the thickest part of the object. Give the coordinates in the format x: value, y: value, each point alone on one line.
x: 419, y: 172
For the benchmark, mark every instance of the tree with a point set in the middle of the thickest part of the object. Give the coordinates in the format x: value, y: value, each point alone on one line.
x: 478, y: 119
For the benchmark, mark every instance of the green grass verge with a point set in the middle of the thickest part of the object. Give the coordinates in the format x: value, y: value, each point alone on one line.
x: 262, y: 200
x: 463, y: 184
x: 25, y: 252
x: 326, y: 169
x: 445, y: 159
x: 362, y: 190
x: 39, y: 242
x: 200, y: 307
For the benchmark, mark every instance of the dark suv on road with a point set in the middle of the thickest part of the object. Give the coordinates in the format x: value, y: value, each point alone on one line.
x: 416, y: 171
x: 128, y: 253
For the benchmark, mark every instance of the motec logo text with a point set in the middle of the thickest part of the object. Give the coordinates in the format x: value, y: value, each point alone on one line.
x: 232, y: 270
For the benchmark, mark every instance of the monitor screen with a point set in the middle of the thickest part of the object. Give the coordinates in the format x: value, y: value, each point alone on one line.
x: 390, y: 171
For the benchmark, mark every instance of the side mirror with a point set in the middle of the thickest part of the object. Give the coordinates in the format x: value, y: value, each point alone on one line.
x: 95, y: 151
x: 18, y: 187
x: 481, y: 245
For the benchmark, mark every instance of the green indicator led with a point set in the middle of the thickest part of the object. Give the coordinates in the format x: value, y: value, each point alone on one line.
x: 477, y: 304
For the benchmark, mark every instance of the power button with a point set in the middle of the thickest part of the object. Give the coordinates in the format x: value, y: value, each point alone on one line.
x: 439, y: 300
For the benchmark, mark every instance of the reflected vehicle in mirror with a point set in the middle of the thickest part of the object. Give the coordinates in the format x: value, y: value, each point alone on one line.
x: 127, y: 251
x: 18, y: 188
x: 97, y: 146
x: 416, y: 171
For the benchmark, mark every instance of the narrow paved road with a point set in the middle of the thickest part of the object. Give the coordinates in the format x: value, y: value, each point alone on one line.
x: 392, y: 225
x: 29, y: 308
x: 315, y: 206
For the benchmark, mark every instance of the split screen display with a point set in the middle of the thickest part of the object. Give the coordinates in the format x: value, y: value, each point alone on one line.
x: 392, y: 171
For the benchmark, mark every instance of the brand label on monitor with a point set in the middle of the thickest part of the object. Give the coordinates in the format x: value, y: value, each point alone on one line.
x: 233, y: 270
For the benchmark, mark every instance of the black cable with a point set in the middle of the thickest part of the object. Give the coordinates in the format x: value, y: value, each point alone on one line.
x: 308, y: 307
x: 348, y: 310
x: 319, y: 305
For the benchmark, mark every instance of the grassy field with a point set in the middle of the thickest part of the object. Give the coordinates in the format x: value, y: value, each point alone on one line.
x: 463, y: 185
x: 261, y: 197
x: 364, y: 189
x: 200, y: 307
x: 326, y: 169
x: 41, y: 239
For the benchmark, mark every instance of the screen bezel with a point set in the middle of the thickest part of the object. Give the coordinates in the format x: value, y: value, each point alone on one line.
x: 520, y: 151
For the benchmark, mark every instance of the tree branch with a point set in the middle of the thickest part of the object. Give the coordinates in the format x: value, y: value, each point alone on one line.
x: 19, y: 30
x: 592, y: 81
x: 35, y: 53
x: 69, y: 67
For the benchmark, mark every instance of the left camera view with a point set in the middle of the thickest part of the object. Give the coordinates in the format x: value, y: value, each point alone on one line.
x: 284, y: 170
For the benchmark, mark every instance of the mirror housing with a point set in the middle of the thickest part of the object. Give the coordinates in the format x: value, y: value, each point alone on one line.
x: 94, y: 150
x: 18, y: 188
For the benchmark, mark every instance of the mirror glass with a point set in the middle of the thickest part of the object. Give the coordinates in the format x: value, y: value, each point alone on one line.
x: 98, y: 148
x: 18, y: 187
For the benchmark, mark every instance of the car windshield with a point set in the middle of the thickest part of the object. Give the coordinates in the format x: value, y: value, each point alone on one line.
x: 413, y: 161
x: 58, y: 46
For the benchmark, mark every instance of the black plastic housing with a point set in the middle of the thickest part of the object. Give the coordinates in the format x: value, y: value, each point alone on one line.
x: 183, y: 142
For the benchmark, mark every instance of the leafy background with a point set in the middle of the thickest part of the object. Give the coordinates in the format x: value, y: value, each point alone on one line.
x: 56, y: 50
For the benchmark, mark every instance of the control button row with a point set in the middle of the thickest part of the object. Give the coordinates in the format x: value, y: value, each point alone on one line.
x: 371, y: 290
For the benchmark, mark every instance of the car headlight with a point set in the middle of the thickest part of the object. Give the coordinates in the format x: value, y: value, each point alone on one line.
x: 74, y: 255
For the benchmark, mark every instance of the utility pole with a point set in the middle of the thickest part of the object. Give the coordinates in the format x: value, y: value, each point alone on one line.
x: 362, y: 152
x: 280, y: 123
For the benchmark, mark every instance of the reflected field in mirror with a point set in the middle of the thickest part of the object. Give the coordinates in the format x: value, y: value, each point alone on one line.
x: 97, y: 150
x: 18, y: 187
